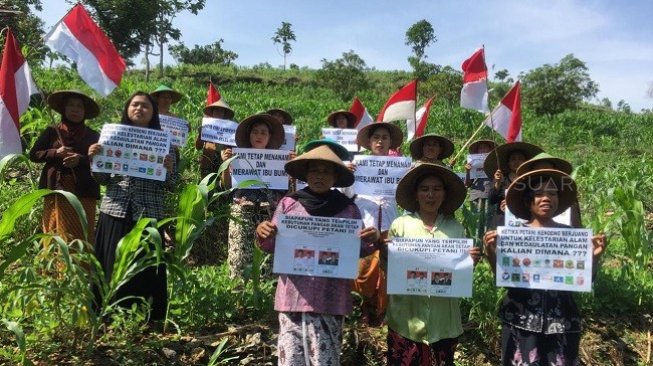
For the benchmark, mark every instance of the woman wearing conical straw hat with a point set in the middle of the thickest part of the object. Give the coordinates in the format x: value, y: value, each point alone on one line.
x: 541, y: 326
x: 210, y: 159
x: 311, y: 308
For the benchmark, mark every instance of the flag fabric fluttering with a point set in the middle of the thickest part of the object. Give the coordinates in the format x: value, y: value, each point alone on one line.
x: 212, y: 95
x: 400, y: 105
x: 474, y: 94
x: 363, y: 117
x: 506, y: 117
x: 416, y: 130
x: 79, y: 38
x: 16, y: 87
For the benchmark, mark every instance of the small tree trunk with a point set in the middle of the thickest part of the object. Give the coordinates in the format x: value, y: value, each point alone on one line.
x: 160, y: 60
x: 147, y: 63
x: 284, y: 61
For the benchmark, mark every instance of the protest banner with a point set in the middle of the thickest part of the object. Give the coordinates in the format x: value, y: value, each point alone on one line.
x: 264, y: 165
x: 344, y: 136
x: 288, y: 138
x: 177, y: 127
x: 430, y: 267
x: 476, y: 161
x: 378, y: 175
x: 544, y: 258
x: 219, y: 131
x: 317, y: 246
x: 133, y: 151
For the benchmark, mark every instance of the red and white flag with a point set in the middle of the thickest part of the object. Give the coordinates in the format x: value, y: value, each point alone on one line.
x: 417, y: 129
x: 213, y: 95
x: 16, y: 86
x: 363, y: 117
x: 78, y: 37
x: 474, y: 93
x: 400, y: 105
x: 506, y: 117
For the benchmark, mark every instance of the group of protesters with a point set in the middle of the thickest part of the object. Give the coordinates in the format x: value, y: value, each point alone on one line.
x: 538, y: 326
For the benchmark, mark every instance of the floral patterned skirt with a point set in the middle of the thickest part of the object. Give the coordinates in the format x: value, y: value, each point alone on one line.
x: 307, y: 339
x: 405, y: 352
x: 523, y: 348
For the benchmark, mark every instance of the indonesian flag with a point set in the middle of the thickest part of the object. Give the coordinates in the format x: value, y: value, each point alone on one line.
x: 422, y: 115
x: 213, y: 95
x: 474, y: 92
x: 401, y: 104
x: 84, y: 43
x: 506, y: 117
x: 363, y: 117
x: 16, y: 86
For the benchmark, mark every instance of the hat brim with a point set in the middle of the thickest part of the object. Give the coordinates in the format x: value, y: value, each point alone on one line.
x: 273, y: 123
x: 351, y: 118
x: 396, y: 136
x: 473, y: 148
x: 228, y: 112
x: 176, y: 96
x: 455, y: 191
x: 337, y: 149
x: 558, y: 164
x: 298, y: 167
x: 57, y: 101
x: 503, y: 152
x: 567, y: 191
x: 417, y: 147
x: 285, y: 114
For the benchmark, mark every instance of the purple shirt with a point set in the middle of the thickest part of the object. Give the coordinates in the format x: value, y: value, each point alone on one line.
x: 320, y: 295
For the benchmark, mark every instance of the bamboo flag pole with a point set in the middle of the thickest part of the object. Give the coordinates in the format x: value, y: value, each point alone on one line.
x: 487, y: 86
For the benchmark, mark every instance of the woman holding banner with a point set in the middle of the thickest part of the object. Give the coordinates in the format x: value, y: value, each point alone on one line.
x: 126, y: 200
x: 250, y: 206
x: 64, y: 148
x: 540, y: 326
x: 211, y: 152
x: 312, y: 309
x: 379, y: 138
x: 424, y: 330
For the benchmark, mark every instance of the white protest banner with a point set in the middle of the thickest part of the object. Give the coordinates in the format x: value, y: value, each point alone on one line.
x: 544, y: 258
x: 177, y: 127
x: 219, y: 131
x: 476, y: 161
x: 430, y: 267
x: 317, y: 246
x: 288, y: 138
x: 344, y: 136
x: 378, y: 175
x: 260, y: 164
x: 133, y: 151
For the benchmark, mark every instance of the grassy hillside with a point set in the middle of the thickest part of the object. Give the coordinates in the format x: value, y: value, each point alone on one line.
x: 46, y: 315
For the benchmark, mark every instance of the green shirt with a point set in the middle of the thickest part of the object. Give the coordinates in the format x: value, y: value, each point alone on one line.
x: 425, y: 319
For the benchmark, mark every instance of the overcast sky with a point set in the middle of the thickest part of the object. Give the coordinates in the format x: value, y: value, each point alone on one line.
x: 614, y: 38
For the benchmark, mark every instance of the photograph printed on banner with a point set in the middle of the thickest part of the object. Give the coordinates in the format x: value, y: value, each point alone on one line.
x: 304, y: 259
x: 328, y: 259
x: 416, y: 280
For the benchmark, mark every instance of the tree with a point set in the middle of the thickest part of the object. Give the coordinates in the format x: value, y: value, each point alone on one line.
x: 501, y: 75
x: 551, y: 89
x: 27, y: 27
x: 622, y: 106
x: 345, y: 76
x: 283, y: 36
x: 419, y: 36
x: 445, y: 85
x: 209, y: 54
x: 130, y: 24
x: 606, y: 103
x: 165, y: 31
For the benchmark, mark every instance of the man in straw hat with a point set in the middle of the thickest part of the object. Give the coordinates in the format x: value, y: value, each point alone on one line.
x: 250, y: 206
x: 543, y: 324
x: 64, y: 150
x: 378, y: 138
x: 424, y: 330
x: 210, y: 159
x: 312, y: 309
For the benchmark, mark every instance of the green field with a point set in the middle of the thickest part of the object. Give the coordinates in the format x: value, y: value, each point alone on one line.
x: 44, y: 294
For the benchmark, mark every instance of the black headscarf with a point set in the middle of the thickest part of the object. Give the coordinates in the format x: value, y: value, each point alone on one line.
x: 322, y: 204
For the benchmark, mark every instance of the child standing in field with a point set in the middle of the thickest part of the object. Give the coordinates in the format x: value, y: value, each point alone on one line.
x: 64, y: 148
x: 312, y: 309
x: 540, y: 327
x: 126, y: 200
x: 250, y: 206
